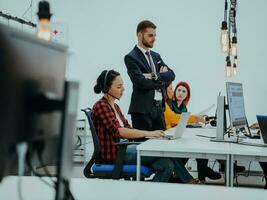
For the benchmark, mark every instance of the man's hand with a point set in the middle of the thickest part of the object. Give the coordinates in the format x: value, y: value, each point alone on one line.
x: 254, y: 126
x: 157, y: 133
x: 147, y: 75
x: 202, y: 119
x: 163, y: 69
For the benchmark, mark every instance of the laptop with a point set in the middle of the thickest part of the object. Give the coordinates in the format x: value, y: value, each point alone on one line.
x: 262, y: 120
x: 177, y: 131
x: 262, y: 142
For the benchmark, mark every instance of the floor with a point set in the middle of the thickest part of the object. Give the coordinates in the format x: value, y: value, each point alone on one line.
x: 254, y: 180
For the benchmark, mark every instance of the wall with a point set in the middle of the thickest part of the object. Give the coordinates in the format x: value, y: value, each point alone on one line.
x: 101, y: 32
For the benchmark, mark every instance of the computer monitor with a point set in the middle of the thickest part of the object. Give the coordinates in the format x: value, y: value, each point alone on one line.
x: 236, y: 105
x: 36, y: 105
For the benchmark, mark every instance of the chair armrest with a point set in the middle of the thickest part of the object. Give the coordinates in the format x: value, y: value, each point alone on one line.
x: 122, y: 146
x: 126, y: 143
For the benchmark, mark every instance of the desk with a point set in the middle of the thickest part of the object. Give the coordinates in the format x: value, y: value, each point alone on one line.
x: 189, y: 146
x: 86, y: 189
x: 246, y: 152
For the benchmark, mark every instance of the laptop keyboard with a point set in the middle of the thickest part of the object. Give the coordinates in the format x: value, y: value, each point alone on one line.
x: 254, y: 142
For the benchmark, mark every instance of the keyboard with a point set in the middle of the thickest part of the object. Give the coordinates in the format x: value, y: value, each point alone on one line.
x: 254, y: 133
x: 255, y: 142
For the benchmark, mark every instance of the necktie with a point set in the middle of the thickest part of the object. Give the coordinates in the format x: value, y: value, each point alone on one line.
x: 151, y: 63
x: 152, y: 66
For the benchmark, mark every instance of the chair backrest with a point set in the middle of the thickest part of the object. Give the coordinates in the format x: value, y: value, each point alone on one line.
x: 87, y: 170
x: 117, y: 170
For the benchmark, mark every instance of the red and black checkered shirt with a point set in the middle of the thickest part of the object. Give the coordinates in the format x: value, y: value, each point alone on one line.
x: 106, y: 125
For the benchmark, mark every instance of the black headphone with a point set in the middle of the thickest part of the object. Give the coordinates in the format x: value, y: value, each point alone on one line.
x: 105, y: 87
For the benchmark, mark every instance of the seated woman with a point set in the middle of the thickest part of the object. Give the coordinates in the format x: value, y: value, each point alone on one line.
x: 174, y: 106
x: 111, y: 126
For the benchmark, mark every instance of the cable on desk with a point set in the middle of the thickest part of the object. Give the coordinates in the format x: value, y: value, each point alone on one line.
x: 248, y: 172
x: 236, y: 175
x: 21, y: 150
x: 47, y: 173
x: 248, y: 169
x: 213, y: 164
x: 30, y: 165
x: 38, y: 175
x: 79, y: 143
x: 252, y: 144
x: 205, y: 136
x: 68, y: 193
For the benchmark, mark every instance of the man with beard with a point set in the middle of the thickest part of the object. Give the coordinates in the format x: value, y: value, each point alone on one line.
x: 148, y: 74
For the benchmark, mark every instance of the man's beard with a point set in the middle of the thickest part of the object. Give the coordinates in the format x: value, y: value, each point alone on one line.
x: 146, y: 44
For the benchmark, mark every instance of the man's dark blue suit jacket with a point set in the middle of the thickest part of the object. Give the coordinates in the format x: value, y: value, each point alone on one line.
x: 144, y: 89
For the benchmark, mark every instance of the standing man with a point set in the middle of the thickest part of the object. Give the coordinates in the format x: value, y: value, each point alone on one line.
x: 148, y: 74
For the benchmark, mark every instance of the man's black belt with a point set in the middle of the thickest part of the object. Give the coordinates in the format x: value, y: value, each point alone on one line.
x: 158, y: 103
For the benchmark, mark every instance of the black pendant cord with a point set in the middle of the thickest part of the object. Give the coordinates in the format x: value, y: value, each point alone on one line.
x: 17, y: 19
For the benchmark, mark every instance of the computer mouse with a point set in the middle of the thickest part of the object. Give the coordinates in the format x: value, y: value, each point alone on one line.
x: 213, y: 122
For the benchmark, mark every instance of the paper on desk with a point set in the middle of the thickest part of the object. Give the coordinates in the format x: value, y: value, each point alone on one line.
x: 205, y: 111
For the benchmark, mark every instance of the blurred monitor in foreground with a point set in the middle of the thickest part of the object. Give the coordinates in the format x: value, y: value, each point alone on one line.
x: 37, y: 105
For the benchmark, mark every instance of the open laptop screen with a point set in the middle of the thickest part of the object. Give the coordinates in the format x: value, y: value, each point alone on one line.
x: 262, y: 120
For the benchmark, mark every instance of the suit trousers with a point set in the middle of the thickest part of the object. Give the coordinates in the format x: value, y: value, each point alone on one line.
x: 154, y: 120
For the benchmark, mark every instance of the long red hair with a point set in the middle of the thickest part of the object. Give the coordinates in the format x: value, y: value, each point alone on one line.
x: 186, y: 85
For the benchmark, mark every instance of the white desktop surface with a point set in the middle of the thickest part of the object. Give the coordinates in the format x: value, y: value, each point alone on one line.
x: 189, y: 146
x: 193, y: 146
x: 189, y: 143
x: 86, y: 189
x: 248, y: 150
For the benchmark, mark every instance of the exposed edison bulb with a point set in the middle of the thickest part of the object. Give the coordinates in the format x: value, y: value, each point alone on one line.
x: 224, y: 41
x: 228, y: 67
x: 44, y: 15
x: 228, y: 70
x: 234, y: 49
x: 224, y: 38
x: 225, y: 48
x: 44, y: 30
x: 234, y: 46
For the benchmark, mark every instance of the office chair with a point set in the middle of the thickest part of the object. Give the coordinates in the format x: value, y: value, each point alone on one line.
x: 111, y: 171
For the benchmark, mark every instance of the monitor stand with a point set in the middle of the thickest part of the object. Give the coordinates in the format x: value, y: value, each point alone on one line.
x: 221, y: 120
x: 234, y: 138
x: 66, y: 146
x: 221, y: 123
